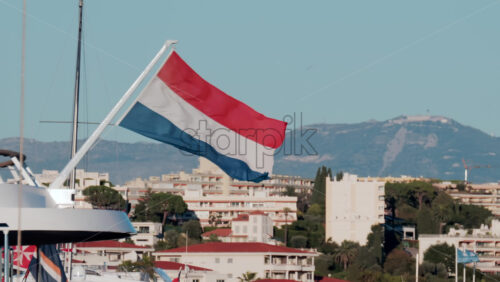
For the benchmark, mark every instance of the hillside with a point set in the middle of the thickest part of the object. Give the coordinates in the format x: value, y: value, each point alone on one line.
x: 428, y: 146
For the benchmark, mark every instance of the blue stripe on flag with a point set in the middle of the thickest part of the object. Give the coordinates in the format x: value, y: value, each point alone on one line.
x: 146, y: 122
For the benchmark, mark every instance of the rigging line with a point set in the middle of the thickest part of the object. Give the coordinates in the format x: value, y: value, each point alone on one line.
x: 118, y: 59
x: 21, y: 140
x: 51, y: 89
x: 85, y: 87
x: 399, y: 50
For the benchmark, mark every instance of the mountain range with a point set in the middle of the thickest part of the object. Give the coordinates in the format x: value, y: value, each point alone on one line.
x: 428, y: 146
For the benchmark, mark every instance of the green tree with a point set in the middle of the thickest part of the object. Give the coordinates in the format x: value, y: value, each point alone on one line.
x: 375, y: 243
x: 146, y: 265
x: 298, y: 241
x: 248, y: 277
x: 471, y: 216
x: 126, y: 266
x: 318, y: 193
x: 329, y: 247
x: 157, y: 207
x: 339, y: 175
x: 442, y: 253
x: 398, y: 262
x: 213, y: 238
x: 103, y: 197
x: 143, y: 265
x: 433, y: 271
x: 290, y: 191
x: 193, y: 229
x: 426, y: 223
x: 443, y: 209
x: 315, y: 209
x: 324, y: 265
x: 346, y: 253
x: 171, y: 238
x: 286, y: 211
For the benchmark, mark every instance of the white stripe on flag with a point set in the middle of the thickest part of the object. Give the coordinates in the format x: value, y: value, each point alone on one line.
x: 158, y: 97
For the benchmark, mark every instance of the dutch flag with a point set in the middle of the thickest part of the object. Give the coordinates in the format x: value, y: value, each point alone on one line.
x: 180, y: 108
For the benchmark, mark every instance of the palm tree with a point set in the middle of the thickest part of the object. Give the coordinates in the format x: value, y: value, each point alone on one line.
x: 346, y: 253
x: 248, y: 277
x: 286, y: 210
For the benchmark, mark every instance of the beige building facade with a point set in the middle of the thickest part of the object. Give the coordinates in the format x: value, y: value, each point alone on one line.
x: 353, y: 205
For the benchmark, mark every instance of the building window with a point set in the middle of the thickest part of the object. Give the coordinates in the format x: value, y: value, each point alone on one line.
x: 196, y: 280
x: 381, y: 198
x: 143, y: 229
x: 230, y: 260
x: 220, y: 280
x: 217, y: 260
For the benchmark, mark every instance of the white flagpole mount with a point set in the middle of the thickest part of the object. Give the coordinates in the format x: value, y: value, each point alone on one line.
x: 58, y: 182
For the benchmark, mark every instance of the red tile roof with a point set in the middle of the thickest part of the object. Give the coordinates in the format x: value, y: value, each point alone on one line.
x: 257, y: 212
x: 247, y: 247
x: 241, y: 217
x: 109, y: 244
x: 170, y: 265
x: 221, y: 232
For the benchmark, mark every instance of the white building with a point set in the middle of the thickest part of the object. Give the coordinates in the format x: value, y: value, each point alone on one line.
x: 83, y: 180
x: 254, y: 227
x: 109, y: 254
x: 483, y: 241
x: 148, y: 233
x: 225, y: 208
x: 234, y: 259
x: 352, y: 206
x: 214, y: 181
x: 193, y: 272
x: 486, y: 195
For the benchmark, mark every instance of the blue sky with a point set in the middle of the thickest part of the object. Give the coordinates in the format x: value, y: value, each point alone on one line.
x: 332, y: 61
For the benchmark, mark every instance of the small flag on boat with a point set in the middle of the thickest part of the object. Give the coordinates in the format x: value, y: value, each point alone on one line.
x: 466, y: 256
x: 51, y: 269
x: 180, y: 108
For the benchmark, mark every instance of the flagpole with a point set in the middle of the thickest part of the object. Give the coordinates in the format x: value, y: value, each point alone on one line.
x: 464, y: 272
x: 456, y: 264
x: 464, y: 252
x: 474, y: 273
x: 58, y: 182
x: 416, y: 269
x: 39, y: 265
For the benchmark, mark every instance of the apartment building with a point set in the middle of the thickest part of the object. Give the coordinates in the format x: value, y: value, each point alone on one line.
x: 484, y: 241
x: 83, y: 180
x: 486, y: 195
x: 234, y: 259
x: 353, y: 205
x: 214, y: 181
x: 254, y: 227
x: 148, y: 233
x: 109, y: 254
x: 226, y: 208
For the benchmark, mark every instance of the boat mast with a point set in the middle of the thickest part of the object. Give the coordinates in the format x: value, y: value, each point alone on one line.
x: 74, y: 137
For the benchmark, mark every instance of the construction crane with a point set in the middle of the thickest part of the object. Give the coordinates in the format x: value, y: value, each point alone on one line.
x: 469, y: 167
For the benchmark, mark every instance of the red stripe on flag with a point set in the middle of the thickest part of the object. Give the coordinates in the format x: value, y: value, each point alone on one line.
x: 219, y: 106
